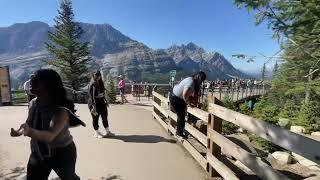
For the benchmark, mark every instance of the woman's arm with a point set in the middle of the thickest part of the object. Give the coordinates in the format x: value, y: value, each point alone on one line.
x: 59, y: 121
x: 19, y: 132
x: 186, y: 96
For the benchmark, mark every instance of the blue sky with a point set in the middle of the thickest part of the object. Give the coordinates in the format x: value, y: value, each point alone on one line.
x: 216, y: 25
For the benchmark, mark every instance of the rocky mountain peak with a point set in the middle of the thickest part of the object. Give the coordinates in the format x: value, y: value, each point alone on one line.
x: 22, y: 48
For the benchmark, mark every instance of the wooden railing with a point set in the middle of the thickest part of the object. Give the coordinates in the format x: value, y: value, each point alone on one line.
x: 212, y: 141
x: 237, y: 94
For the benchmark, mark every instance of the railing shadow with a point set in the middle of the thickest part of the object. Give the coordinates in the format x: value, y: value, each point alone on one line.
x: 292, y: 175
x: 142, y: 139
x: 139, y: 104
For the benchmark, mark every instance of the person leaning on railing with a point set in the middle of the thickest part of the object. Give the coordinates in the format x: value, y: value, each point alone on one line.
x: 181, y: 97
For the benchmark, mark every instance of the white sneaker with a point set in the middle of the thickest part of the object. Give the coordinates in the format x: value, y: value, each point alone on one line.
x: 108, y: 133
x: 97, y: 134
x: 105, y: 134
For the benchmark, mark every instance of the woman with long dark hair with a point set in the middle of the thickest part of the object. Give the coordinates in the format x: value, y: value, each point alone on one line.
x: 98, y: 105
x: 49, y: 118
x: 181, y: 97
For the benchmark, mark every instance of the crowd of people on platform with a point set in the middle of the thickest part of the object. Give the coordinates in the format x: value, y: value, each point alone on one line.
x: 232, y: 83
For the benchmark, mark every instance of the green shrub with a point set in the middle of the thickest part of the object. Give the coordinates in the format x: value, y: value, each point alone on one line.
x: 263, y: 144
x: 289, y: 110
x: 111, y: 91
x: 227, y: 127
x: 309, y: 115
x: 244, y: 109
x: 19, y: 97
x: 205, y: 105
x: 266, y: 111
x: 228, y: 103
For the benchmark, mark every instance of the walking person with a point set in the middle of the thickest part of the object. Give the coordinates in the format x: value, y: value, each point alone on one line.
x: 181, y: 96
x: 133, y: 88
x: 121, y: 86
x: 49, y: 118
x: 27, y: 87
x: 98, y: 105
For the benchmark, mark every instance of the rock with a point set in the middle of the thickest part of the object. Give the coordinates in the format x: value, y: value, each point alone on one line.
x: 242, y: 141
x: 240, y: 130
x: 315, y: 168
x: 244, y: 137
x: 201, y: 126
x: 284, y: 122
x: 282, y: 157
x: 297, y: 129
x: 237, y: 139
x: 313, y: 178
x: 303, y: 161
x: 243, y: 167
x: 307, y: 162
x: 315, y: 134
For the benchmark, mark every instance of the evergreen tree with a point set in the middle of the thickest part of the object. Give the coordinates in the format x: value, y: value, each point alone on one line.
x: 297, y: 26
x: 111, y: 91
x: 71, y: 56
x: 275, y: 69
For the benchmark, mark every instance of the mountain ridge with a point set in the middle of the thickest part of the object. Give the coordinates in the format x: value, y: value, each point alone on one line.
x: 22, y: 48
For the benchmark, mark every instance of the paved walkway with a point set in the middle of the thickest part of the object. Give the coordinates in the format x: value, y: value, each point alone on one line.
x: 141, y: 149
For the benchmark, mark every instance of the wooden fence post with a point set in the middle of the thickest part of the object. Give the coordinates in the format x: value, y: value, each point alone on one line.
x: 214, y: 123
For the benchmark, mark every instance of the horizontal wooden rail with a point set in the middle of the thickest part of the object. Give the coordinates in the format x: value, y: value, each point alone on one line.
x: 160, y: 97
x: 192, y: 150
x: 193, y: 131
x: 195, y: 154
x: 197, y: 134
x: 172, y: 115
x: 163, y: 123
x: 171, y: 129
x: 162, y: 110
x: 221, y: 168
x: 199, y: 113
x: 248, y: 159
x: 301, y: 145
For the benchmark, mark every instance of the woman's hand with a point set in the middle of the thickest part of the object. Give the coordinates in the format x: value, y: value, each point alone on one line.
x: 93, y: 111
x: 26, y: 129
x: 15, y: 133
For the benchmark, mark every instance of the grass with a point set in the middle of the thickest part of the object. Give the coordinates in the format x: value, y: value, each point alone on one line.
x: 19, y: 97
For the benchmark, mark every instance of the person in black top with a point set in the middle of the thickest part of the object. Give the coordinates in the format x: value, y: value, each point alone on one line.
x: 98, y: 105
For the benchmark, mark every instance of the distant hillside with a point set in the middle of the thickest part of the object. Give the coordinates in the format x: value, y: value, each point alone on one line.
x: 22, y: 48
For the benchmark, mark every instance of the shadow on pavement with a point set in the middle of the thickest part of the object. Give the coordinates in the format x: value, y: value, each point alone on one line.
x: 142, y: 139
